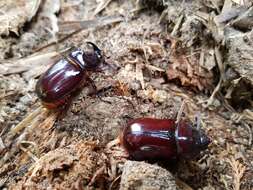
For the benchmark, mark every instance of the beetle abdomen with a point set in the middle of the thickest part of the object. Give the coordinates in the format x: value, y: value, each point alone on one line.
x: 149, y: 139
x: 59, y: 81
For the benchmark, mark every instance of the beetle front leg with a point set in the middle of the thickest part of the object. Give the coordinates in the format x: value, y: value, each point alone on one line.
x: 92, y: 87
x: 95, y: 91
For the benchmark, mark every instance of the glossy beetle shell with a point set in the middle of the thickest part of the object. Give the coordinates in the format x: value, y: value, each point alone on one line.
x: 149, y: 139
x: 68, y: 74
x: 62, y: 78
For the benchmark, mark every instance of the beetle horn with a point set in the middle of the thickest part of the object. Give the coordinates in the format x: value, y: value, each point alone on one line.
x: 95, y: 48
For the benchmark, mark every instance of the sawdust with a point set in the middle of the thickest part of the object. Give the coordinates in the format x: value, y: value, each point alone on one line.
x: 167, y: 52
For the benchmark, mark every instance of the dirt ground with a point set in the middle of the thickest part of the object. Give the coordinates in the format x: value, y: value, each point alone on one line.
x: 171, y: 55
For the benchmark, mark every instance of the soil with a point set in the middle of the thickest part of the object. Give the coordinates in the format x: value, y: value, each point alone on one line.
x: 171, y: 56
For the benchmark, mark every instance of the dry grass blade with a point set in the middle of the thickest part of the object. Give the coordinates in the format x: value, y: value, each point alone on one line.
x: 182, y: 185
x: 154, y: 68
x: 248, y: 114
x: 33, y: 144
x: 97, y: 174
x: 29, y: 123
x: 180, y: 112
x: 2, y: 181
x: 102, y: 5
x: 238, y: 172
x: 139, y: 75
x: 250, y: 132
x: 30, y: 154
x: 49, y: 121
x: 2, y: 146
x: 71, y: 26
x: 221, y: 66
x: 114, y: 182
x: 25, y: 122
x: 27, y: 63
x: 177, y: 26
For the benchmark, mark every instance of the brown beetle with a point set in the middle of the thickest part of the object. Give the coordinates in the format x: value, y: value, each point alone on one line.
x: 149, y: 138
x: 67, y: 75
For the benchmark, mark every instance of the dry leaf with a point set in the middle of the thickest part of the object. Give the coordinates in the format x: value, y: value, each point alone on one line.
x: 31, y: 63
x: 240, y: 55
x: 244, y: 20
x: 14, y: 13
x: 189, y: 72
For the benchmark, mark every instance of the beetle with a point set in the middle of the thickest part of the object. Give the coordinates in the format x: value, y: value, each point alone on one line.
x: 55, y: 87
x: 150, y: 138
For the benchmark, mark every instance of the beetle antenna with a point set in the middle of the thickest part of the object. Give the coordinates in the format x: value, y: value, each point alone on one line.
x: 96, y: 49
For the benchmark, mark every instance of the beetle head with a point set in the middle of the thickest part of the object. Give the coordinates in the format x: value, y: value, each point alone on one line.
x: 95, y: 60
x: 97, y: 51
x: 190, y: 141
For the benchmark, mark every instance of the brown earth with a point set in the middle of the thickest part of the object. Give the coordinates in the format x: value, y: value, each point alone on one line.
x: 195, y: 55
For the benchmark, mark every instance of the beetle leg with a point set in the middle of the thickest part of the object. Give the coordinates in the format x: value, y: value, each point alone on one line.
x: 92, y: 86
x: 95, y: 91
x: 101, y: 99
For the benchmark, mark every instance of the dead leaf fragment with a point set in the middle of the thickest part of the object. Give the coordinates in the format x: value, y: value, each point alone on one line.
x: 189, y: 72
x: 15, y: 13
x: 240, y: 55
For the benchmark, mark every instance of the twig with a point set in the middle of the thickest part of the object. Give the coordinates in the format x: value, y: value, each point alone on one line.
x: 180, y: 112
x: 103, y: 4
x: 220, y: 64
x: 178, y: 24
x: 26, y: 63
x: 182, y: 185
x: 112, y: 143
x: 3, y: 181
x: 26, y: 121
x: 81, y: 25
x: 97, y: 174
x: 2, y: 146
x: 250, y: 132
x: 33, y: 144
x: 198, y: 120
x: 114, y: 181
x: 85, y: 24
x: 35, y: 158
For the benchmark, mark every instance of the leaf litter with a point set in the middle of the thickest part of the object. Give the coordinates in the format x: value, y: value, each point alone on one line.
x: 170, y: 53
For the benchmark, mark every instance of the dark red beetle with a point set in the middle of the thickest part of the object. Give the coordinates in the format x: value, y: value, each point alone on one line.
x: 64, y: 77
x: 148, y: 139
